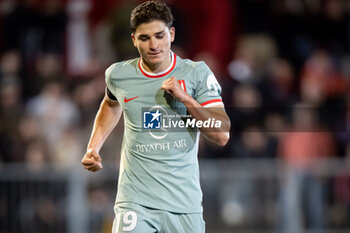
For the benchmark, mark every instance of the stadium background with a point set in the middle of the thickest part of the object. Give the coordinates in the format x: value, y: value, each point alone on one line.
x: 284, y: 66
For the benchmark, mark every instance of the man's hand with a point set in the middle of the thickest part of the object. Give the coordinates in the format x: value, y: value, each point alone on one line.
x: 172, y: 87
x: 92, y: 161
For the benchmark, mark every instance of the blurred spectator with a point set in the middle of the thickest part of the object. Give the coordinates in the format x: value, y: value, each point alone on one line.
x: 48, y: 68
x: 246, y: 108
x: 321, y: 80
x: 100, y: 211
x: 36, y: 156
x: 11, y: 106
x: 334, y: 24
x: 10, y: 72
x: 253, y: 55
x: 55, y: 111
x: 10, y: 65
x: 29, y: 129
x: 38, y: 211
x: 301, y: 149
x: 295, y: 24
x: 18, y: 24
x: 341, y: 186
x: 343, y: 131
x: 87, y: 99
x: 341, y: 183
x: 32, y: 28
x: 47, y: 214
x: 254, y: 143
x: 67, y: 150
x: 278, y: 89
x: 10, y: 115
x: 323, y: 86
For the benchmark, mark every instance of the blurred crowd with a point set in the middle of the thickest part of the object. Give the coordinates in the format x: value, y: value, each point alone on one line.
x: 284, y: 67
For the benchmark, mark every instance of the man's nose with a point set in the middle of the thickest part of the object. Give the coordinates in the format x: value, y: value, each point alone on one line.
x: 153, y: 44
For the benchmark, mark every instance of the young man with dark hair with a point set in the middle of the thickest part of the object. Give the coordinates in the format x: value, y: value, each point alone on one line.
x: 158, y: 186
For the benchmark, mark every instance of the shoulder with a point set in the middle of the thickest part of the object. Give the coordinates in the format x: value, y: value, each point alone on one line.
x: 195, y: 65
x: 199, y: 68
x: 121, y: 68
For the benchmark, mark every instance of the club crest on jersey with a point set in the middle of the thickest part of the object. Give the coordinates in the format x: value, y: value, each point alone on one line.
x: 182, y: 84
x: 152, y: 119
x: 213, y: 86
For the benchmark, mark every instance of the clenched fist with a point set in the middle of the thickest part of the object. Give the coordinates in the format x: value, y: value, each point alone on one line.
x: 92, y: 161
x: 172, y: 87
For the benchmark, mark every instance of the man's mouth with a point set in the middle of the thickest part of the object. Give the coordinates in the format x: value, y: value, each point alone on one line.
x: 154, y: 53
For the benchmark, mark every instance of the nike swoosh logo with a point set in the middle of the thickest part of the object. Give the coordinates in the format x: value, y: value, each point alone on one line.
x: 127, y: 100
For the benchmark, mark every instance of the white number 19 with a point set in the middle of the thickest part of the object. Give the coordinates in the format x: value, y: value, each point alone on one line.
x: 129, y: 220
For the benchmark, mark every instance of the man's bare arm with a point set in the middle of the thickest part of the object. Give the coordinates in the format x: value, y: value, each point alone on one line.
x: 106, y: 119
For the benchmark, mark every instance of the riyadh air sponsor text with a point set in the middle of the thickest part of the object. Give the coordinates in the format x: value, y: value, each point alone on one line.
x: 164, y: 146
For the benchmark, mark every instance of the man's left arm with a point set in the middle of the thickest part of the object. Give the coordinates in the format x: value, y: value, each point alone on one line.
x: 220, y: 135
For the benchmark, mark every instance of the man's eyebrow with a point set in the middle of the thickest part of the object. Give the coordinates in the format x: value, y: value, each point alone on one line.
x: 147, y: 36
x: 143, y: 35
x: 157, y: 33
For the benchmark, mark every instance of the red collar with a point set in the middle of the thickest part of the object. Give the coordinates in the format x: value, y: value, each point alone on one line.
x: 159, y: 75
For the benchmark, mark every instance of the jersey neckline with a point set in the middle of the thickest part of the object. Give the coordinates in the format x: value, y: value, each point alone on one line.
x: 160, y: 74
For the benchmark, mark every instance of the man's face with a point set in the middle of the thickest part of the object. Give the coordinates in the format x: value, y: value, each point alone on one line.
x: 153, y: 41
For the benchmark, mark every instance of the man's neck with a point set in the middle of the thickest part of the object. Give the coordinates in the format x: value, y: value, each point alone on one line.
x: 157, y: 68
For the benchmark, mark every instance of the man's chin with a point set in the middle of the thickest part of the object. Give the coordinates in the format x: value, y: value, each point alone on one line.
x: 154, y: 60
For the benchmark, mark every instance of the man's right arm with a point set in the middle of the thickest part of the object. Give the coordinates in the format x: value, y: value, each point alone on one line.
x: 106, y: 119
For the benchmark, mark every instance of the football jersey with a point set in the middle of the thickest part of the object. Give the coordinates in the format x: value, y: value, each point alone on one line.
x: 159, y: 168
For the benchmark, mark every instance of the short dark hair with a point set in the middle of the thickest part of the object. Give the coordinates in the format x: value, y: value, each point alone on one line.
x: 150, y: 11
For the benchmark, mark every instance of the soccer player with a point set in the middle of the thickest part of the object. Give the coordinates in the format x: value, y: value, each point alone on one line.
x: 158, y: 186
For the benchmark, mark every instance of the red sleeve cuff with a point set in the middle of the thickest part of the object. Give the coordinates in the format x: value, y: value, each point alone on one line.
x: 211, y: 102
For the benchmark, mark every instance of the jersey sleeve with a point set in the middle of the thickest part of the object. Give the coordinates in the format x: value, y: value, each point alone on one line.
x: 108, y: 77
x: 208, y: 91
x: 110, y: 95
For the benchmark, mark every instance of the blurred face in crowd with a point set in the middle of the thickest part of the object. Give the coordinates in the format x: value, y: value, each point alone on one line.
x: 153, y: 41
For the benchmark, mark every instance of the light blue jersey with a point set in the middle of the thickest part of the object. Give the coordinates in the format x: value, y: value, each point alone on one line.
x: 159, y: 169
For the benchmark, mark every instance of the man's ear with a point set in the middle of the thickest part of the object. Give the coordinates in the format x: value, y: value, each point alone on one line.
x: 133, y: 39
x: 172, y: 34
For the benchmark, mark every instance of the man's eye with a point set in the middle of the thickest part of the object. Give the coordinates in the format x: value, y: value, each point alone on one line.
x: 160, y: 36
x: 143, y: 38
